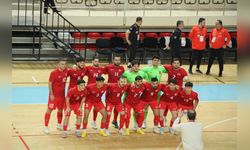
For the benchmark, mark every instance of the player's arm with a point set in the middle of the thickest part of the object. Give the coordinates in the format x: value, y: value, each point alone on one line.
x: 176, y: 125
x: 195, y: 102
x: 228, y: 37
x: 51, y: 80
x: 127, y: 35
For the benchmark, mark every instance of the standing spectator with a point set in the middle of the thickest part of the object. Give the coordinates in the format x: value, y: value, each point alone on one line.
x: 52, y: 4
x: 175, y: 40
x: 132, y: 38
x: 218, y: 41
x: 198, y: 37
x: 191, y: 132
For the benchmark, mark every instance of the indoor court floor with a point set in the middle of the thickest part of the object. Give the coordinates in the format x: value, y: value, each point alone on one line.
x: 217, y: 111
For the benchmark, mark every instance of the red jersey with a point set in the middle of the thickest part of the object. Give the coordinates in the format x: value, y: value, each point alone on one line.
x: 170, y: 95
x: 58, y: 79
x: 75, y: 75
x: 93, y: 72
x: 114, y: 93
x: 113, y: 72
x: 217, y: 38
x: 177, y: 74
x: 95, y: 94
x: 187, y: 100
x: 76, y: 96
x: 151, y: 94
x: 134, y: 94
x: 198, y: 37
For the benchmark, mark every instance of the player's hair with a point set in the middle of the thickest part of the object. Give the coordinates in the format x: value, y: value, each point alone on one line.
x: 116, y: 56
x: 138, y: 19
x: 189, y: 84
x: 200, y: 20
x: 135, y: 63
x: 138, y: 78
x: 154, y: 79
x: 191, y: 114
x: 155, y: 57
x: 79, y: 59
x: 95, y: 57
x: 176, y: 59
x: 99, y: 78
x: 172, y: 81
x: 179, y: 22
x: 121, y: 77
x: 80, y: 81
x: 61, y: 59
x: 220, y: 22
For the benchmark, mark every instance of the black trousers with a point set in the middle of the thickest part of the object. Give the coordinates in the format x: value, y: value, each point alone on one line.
x: 196, y: 56
x: 219, y: 53
x: 46, y: 5
x: 132, y: 52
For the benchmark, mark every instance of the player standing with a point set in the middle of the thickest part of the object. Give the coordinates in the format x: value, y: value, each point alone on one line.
x: 133, y: 72
x: 57, y: 83
x: 74, y: 101
x: 93, y: 99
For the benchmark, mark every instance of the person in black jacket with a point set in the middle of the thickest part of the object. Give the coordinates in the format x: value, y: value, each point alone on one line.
x: 132, y: 38
x: 52, y: 4
x: 175, y: 40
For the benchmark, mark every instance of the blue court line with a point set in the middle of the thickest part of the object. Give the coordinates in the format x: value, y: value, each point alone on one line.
x: 209, y: 92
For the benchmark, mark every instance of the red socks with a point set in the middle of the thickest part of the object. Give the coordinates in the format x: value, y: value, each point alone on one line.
x: 171, y: 123
x: 156, y: 120
x: 107, y: 121
x: 122, y: 121
x: 103, y: 124
x: 46, y: 119
x: 162, y: 123
x: 65, y: 127
x: 59, y: 117
x: 94, y: 115
x: 78, y: 126
x: 84, y: 125
x: 115, y: 115
x: 127, y: 119
x: 139, y: 119
x: 165, y: 112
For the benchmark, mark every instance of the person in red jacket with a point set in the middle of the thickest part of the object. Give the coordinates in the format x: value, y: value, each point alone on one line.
x: 218, y: 41
x: 198, y: 37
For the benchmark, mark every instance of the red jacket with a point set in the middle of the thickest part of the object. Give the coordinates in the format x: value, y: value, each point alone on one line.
x: 198, y: 37
x: 219, y: 38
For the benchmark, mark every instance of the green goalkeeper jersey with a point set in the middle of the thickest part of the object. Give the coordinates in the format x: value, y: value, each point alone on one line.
x: 152, y: 72
x: 131, y: 75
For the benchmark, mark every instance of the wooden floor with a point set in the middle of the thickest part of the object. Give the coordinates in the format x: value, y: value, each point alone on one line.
x: 218, y: 118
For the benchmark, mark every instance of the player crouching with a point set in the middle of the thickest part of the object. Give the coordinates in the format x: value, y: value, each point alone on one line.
x: 74, y: 101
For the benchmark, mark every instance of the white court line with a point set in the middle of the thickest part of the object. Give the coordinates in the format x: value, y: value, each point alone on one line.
x: 34, y: 80
x: 211, y: 125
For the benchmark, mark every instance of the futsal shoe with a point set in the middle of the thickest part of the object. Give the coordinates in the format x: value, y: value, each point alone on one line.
x: 107, y: 132
x: 220, y: 74
x: 171, y: 130
x: 84, y: 134
x: 144, y: 125
x: 59, y: 127
x: 115, y: 124
x: 121, y: 132
x: 46, y: 130
x: 140, y: 131
x: 127, y: 132
x: 161, y: 130
x: 64, y: 134
x: 102, y: 133
x: 208, y: 72
x: 93, y: 124
x: 190, y: 71
x: 155, y: 130
x: 135, y: 126
x: 78, y: 133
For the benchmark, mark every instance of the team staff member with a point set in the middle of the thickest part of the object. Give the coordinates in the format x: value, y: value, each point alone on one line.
x: 175, y: 40
x: 57, y: 83
x: 218, y: 41
x: 132, y: 38
x: 198, y: 37
x: 52, y: 4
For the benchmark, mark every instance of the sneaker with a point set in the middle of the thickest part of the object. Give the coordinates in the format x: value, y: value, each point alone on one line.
x: 171, y: 130
x: 59, y: 127
x: 102, y: 133
x: 144, y: 125
x: 140, y: 131
x: 84, y: 133
x: 64, y: 134
x: 199, y: 71
x: 78, y: 133
x: 46, y: 130
x: 155, y: 130
x: 121, y: 132
x: 127, y: 132
x: 208, y: 72
x: 107, y: 132
x: 161, y: 130
x: 115, y: 124
x: 135, y: 126
x: 129, y: 65
x: 93, y: 124
x: 190, y: 71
